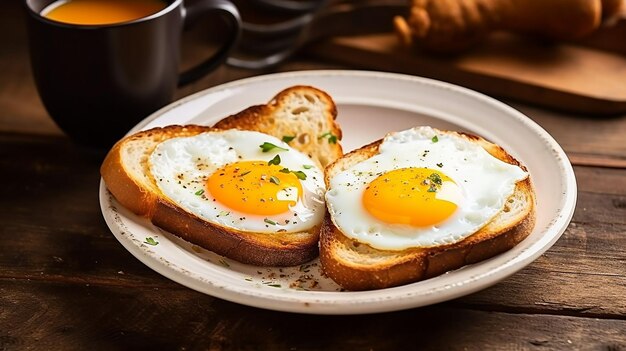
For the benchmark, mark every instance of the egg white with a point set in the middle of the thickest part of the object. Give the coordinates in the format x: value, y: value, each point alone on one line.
x: 485, y: 183
x: 181, y: 167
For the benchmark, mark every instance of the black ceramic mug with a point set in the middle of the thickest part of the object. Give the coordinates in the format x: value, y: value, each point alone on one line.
x: 98, y: 81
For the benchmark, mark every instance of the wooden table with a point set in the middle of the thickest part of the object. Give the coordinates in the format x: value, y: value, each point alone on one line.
x: 67, y: 284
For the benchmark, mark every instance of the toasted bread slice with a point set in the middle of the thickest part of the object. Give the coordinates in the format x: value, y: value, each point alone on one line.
x: 304, y: 112
x: 358, y: 266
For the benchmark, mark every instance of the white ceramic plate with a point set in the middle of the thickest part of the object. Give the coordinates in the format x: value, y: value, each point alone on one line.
x: 369, y: 104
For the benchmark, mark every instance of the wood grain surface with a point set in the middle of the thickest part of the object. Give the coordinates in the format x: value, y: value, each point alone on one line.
x: 568, y: 77
x: 66, y: 283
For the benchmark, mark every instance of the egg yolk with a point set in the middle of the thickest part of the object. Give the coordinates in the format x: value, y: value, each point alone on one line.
x: 413, y: 196
x: 255, y: 187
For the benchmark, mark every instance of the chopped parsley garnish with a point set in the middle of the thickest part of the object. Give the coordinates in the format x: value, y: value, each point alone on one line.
x: 274, y: 180
x: 301, y: 175
x: 223, y: 214
x: 435, y: 139
x: 199, y: 192
x: 332, y: 139
x: 151, y: 241
x: 434, y: 182
x: 244, y: 173
x: 435, y: 178
x: 272, y: 284
x: 288, y: 138
x: 307, y: 166
x: 269, y: 221
x: 439, y: 165
x: 224, y: 263
x: 269, y: 146
x: 274, y: 161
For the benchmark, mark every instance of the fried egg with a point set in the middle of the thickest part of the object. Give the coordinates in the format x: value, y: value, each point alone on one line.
x: 244, y: 180
x: 424, y: 188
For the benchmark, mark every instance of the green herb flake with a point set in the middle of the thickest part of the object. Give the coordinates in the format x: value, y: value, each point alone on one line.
x: 248, y: 279
x: 269, y: 221
x: 269, y: 146
x: 301, y: 175
x: 274, y: 161
x: 151, y: 241
x: 274, y: 180
x: 223, y: 214
x: 223, y: 262
x: 285, y: 170
x: 435, y: 178
x: 324, y: 135
x: 244, y: 173
x: 307, y: 166
x: 288, y: 138
x: 439, y: 165
x: 199, y: 192
x: 435, y: 139
x: 272, y: 284
x: 332, y: 139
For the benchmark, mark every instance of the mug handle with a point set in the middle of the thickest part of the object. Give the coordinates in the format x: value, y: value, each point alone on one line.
x: 233, y: 19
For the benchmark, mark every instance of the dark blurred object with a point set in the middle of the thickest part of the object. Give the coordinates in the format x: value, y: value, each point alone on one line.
x: 98, y: 81
x: 273, y: 30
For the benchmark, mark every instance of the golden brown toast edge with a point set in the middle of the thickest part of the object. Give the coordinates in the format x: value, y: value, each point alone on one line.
x: 260, y: 249
x: 127, y: 190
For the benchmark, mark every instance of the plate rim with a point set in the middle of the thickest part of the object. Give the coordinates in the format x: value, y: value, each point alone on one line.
x: 313, y: 304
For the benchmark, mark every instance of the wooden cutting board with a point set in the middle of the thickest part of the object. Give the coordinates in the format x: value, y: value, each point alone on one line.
x: 585, y: 77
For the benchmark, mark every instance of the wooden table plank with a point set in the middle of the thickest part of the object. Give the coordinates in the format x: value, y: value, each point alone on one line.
x: 44, y: 315
x: 601, y: 181
x: 582, y: 134
x: 564, y: 76
x: 571, y: 278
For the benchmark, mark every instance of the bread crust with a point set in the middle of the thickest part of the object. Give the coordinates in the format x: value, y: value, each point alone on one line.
x: 132, y: 185
x: 416, y: 264
x: 122, y: 186
x: 261, y: 249
x: 126, y: 188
